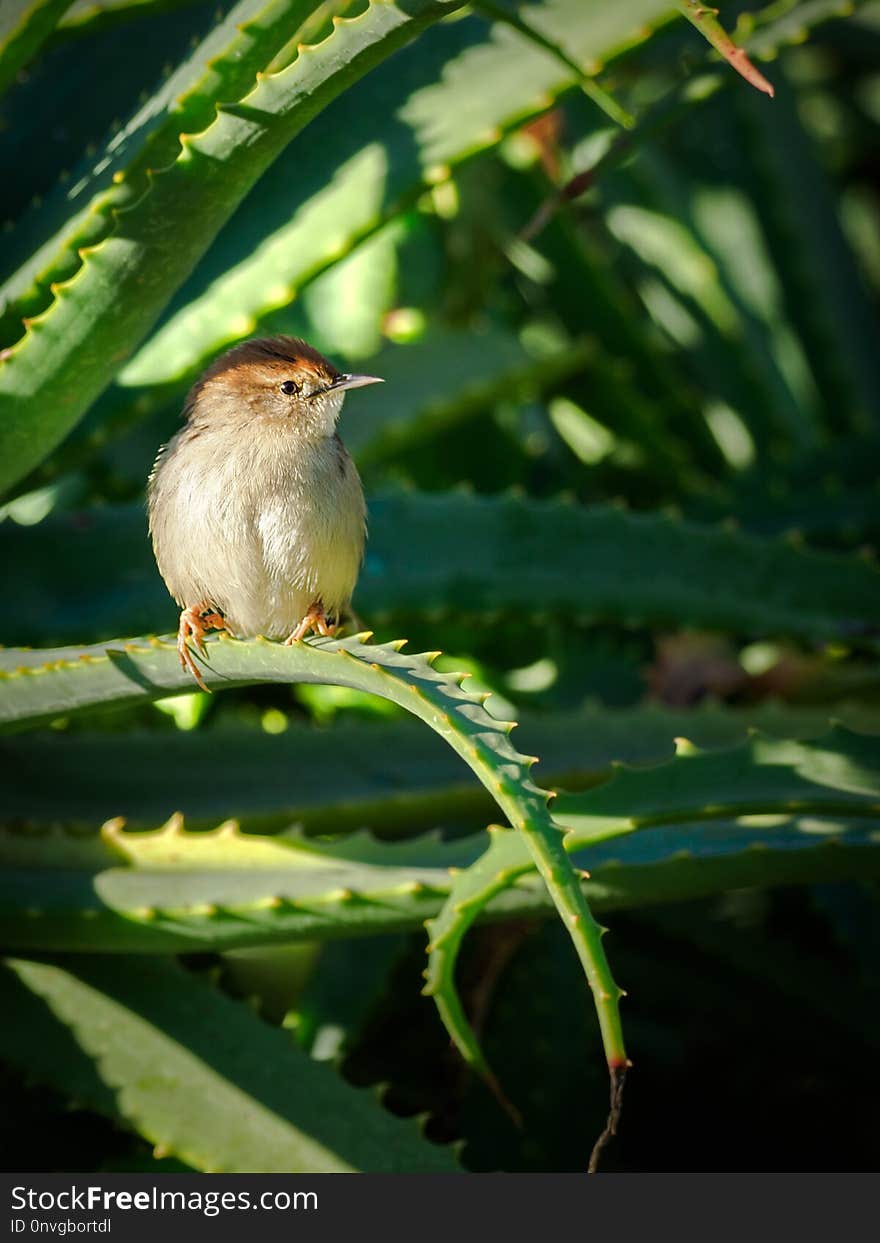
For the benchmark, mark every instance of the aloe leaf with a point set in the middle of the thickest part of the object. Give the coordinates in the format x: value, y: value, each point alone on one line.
x: 169, y: 890
x: 837, y: 774
x: 446, y: 377
x: 534, y: 558
x: 141, y: 670
x: 451, y: 96
x: 225, y: 1091
x: 827, y: 497
x: 24, y: 26
x: 59, y: 113
x: 151, y: 668
x: 222, y: 68
x: 264, y: 257
x: 140, y: 253
x: 472, y: 890
x: 172, y: 891
x: 837, y: 777
x: 392, y: 776
x: 768, y: 811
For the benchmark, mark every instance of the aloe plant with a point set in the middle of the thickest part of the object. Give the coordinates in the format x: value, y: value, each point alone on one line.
x: 572, y: 241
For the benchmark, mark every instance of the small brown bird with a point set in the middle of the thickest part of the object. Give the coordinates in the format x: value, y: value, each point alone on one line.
x: 257, y: 513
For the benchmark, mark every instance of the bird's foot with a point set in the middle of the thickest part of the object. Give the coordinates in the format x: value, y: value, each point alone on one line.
x: 315, y: 621
x: 195, y: 622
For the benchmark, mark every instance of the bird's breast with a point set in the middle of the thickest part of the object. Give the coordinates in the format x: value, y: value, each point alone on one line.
x: 309, y: 523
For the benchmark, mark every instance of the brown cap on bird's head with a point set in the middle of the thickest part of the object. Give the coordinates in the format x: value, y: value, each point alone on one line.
x: 276, y: 367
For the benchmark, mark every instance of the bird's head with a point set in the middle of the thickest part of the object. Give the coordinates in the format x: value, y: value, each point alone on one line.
x: 281, y: 379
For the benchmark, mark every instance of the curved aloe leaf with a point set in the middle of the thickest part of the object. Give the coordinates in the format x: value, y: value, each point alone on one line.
x: 140, y: 253
x: 37, y: 686
x: 534, y: 558
x: 150, y: 669
x: 235, y: 1095
x: 837, y: 776
x: 821, y: 797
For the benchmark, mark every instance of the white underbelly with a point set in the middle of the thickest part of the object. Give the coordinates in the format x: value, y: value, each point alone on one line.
x: 306, y: 557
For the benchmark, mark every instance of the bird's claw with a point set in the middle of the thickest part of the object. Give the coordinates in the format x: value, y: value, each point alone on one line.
x: 194, y: 623
x: 315, y: 621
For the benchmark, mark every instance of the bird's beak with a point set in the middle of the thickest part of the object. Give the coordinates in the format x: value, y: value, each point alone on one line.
x: 356, y: 381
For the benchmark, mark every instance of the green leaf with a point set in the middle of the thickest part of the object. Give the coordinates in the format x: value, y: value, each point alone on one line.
x: 152, y: 668
x: 92, y: 93
x: 536, y: 559
x: 172, y: 891
x: 770, y: 811
x: 512, y: 14
x: 450, y: 97
x: 195, y: 1073
x: 837, y: 777
x: 78, y: 212
x: 38, y: 686
x: 838, y: 774
x: 392, y: 776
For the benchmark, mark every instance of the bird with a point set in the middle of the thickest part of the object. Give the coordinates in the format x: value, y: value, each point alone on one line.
x: 256, y: 510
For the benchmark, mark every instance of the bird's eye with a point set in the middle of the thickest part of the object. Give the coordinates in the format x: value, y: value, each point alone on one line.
x: 289, y: 387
